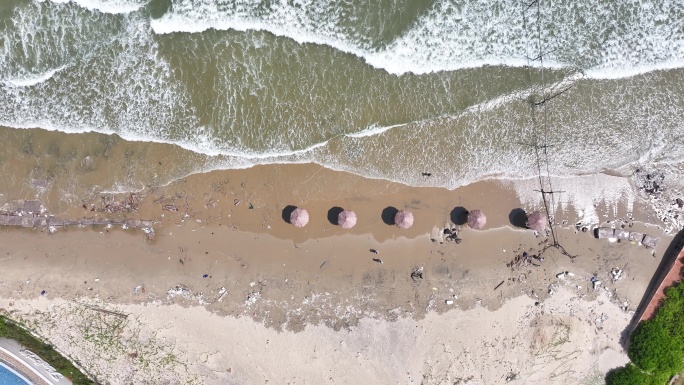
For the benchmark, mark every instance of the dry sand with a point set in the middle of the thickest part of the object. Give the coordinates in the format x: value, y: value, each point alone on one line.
x: 282, y: 305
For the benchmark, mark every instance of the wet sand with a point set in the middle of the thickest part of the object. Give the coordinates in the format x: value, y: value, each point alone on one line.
x: 226, y: 279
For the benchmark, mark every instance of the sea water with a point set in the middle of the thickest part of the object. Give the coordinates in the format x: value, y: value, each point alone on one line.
x: 384, y: 89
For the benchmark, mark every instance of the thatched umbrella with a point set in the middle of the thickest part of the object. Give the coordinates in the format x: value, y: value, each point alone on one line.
x: 346, y: 219
x: 536, y: 221
x: 299, y: 217
x: 403, y: 219
x: 476, y: 219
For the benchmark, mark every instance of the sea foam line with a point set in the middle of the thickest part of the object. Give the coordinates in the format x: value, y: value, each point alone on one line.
x: 373, y: 130
x: 415, y: 51
x: 201, y: 147
x: 31, y: 81
x: 105, y: 6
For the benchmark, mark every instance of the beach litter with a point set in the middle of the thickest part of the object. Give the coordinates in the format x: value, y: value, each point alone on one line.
x: 605, y: 233
x: 616, y: 274
x: 378, y: 260
x: 252, y: 298
x: 205, y: 276
x: 622, y: 235
x: 417, y: 274
x: 449, y: 302
x: 222, y: 293
x: 43, y: 292
x: 650, y: 242
x: 636, y: 237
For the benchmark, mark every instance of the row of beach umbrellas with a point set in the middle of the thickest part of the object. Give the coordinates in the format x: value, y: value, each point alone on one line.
x: 404, y: 219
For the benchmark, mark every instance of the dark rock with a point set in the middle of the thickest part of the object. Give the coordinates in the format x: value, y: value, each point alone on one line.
x: 680, y: 203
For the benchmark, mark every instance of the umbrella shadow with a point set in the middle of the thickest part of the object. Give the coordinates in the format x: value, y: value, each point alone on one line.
x: 518, y: 218
x: 459, y: 215
x: 388, y: 215
x: 287, y: 212
x: 334, y: 214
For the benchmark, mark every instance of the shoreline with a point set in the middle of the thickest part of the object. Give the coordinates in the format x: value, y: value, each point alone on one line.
x: 67, y: 170
x: 220, y: 246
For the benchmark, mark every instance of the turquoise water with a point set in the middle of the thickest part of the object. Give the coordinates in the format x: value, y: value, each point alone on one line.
x: 384, y: 89
x: 7, y: 377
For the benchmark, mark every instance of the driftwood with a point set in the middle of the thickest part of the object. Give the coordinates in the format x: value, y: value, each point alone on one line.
x: 32, y: 222
x: 105, y: 311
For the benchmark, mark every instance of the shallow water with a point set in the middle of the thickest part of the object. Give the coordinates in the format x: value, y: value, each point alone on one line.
x: 387, y: 90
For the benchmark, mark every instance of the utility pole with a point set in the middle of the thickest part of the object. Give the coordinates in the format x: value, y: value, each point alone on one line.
x: 542, y: 130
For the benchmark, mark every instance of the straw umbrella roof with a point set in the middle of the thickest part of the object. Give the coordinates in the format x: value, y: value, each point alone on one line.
x: 299, y: 217
x: 403, y: 219
x: 476, y: 219
x: 346, y: 219
x: 536, y: 221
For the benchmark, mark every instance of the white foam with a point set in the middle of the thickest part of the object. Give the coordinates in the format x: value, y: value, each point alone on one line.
x: 604, y: 72
x: 106, y: 6
x: 373, y: 130
x: 33, y: 80
x: 451, y: 35
x: 583, y: 193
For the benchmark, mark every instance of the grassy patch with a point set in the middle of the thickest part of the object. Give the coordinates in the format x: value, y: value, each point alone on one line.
x: 9, y: 329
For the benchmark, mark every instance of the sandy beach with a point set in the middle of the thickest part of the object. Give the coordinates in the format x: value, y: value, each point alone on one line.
x: 225, y: 291
x: 152, y: 152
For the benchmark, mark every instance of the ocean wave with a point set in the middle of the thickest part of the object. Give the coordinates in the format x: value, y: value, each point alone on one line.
x: 106, y: 6
x: 32, y: 80
x: 373, y: 130
x: 455, y: 35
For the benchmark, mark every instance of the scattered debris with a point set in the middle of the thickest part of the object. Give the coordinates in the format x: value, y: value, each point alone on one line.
x: 449, y: 302
x: 252, y: 298
x: 417, y: 274
x: 374, y: 251
x: 451, y: 235
x: 636, y: 237
x: 650, y: 182
x: 650, y: 242
x: 222, y: 293
x: 605, y: 233
x: 499, y: 285
x: 378, y: 260
x: 622, y: 235
x: 616, y: 274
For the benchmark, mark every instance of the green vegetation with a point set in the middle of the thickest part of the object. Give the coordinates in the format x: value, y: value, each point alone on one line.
x: 656, y: 346
x: 11, y: 330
